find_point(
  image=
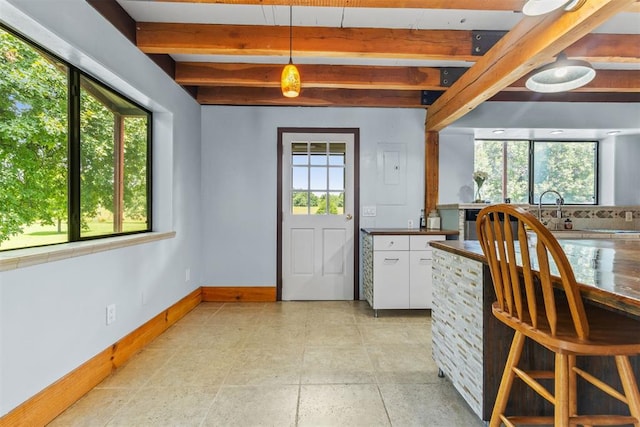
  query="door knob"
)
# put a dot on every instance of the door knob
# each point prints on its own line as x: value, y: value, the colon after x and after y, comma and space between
x: 349, y: 217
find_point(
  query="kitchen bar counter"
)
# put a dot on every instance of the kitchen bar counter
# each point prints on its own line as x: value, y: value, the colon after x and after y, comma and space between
x: 607, y: 271
x: 470, y: 345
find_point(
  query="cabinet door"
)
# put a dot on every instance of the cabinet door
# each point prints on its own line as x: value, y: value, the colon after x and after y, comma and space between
x: 390, y: 279
x: 420, y: 279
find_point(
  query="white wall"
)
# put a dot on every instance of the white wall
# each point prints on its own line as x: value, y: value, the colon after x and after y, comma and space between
x: 456, y: 168
x: 52, y: 315
x: 239, y: 172
x: 606, y: 160
x: 627, y: 170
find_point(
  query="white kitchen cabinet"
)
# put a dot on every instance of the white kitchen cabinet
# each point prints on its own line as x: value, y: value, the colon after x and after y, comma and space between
x: 397, y: 270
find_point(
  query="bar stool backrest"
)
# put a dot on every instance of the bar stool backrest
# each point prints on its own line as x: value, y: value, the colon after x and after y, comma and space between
x: 528, y: 258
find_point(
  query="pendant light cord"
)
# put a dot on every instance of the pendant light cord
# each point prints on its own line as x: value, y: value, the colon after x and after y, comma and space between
x: 290, y: 33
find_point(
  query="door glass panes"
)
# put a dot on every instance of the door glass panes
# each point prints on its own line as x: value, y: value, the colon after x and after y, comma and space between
x: 33, y: 146
x: 113, y: 159
x: 300, y: 178
x: 318, y: 177
x: 337, y: 154
x: 318, y: 182
x: 318, y: 153
x: 299, y: 153
x: 336, y: 179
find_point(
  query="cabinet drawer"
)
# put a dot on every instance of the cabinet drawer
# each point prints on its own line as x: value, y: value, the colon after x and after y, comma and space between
x: 390, y: 243
x: 421, y: 243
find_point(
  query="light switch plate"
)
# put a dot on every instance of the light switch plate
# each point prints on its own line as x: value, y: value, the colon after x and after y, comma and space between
x: 368, y: 211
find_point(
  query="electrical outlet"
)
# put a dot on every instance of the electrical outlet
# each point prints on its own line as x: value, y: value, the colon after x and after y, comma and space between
x: 187, y: 274
x: 410, y: 223
x: 628, y: 216
x: 111, y: 313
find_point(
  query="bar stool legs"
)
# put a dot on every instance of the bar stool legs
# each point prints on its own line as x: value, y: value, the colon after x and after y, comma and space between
x: 630, y: 386
x: 497, y: 415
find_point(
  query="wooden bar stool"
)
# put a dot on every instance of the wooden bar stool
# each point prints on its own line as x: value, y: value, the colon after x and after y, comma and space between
x: 526, y: 302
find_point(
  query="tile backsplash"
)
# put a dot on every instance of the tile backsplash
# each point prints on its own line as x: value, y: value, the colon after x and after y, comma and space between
x: 582, y: 217
x: 592, y: 217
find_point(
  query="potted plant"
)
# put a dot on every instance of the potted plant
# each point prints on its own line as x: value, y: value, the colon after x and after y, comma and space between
x: 479, y: 177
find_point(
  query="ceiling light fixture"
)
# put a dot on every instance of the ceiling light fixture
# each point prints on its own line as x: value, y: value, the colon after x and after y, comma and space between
x: 290, y: 79
x: 542, y: 7
x: 556, y: 132
x: 498, y: 131
x: 613, y: 132
x: 561, y: 76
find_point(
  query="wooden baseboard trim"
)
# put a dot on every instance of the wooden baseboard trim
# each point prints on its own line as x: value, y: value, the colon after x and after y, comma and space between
x: 238, y: 294
x: 54, y: 399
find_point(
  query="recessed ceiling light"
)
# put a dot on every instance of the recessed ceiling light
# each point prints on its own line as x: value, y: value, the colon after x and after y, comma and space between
x: 613, y: 132
x: 556, y: 132
x: 498, y: 131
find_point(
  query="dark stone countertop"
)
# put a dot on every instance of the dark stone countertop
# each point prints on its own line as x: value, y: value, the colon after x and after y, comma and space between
x: 409, y: 231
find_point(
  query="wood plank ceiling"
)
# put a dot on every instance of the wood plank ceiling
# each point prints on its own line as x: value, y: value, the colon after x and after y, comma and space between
x: 328, y: 56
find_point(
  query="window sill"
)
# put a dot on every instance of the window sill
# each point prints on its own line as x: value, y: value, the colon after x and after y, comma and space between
x: 20, y: 258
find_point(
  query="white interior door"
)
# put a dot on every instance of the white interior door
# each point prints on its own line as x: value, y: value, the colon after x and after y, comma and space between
x: 318, y: 208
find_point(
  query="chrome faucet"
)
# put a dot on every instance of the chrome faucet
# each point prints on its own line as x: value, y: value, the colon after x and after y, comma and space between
x: 559, y: 203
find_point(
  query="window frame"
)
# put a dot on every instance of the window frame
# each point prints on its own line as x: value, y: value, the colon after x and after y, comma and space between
x: 74, y: 75
x: 531, y: 162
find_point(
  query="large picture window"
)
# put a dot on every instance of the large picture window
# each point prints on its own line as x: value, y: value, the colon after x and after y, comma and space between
x: 522, y: 170
x: 74, y: 154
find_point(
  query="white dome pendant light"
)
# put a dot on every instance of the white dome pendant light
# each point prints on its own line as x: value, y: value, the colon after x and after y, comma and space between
x: 542, y: 7
x: 561, y: 76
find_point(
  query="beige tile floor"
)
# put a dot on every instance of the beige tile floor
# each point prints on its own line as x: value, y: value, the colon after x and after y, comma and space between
x: 280, y: 364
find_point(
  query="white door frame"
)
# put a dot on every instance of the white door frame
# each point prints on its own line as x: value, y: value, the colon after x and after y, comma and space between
x: 356, y: 202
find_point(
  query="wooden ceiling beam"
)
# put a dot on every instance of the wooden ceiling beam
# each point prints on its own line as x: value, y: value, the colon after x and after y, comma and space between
x: 313, y: 76
x: 307, y: 41
x: 363, y: 77
x: 450, y: 45
x: 598, y: 47
x: 314, y: 97
x: 321, y: 97
x: 528, y: 45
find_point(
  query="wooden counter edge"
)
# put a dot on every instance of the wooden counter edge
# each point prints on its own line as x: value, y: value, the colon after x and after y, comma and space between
x: 409, y: 231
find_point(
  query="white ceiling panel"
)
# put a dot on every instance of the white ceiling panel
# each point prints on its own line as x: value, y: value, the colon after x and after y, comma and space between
x: 354, y: 17
x: 146, y: 11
